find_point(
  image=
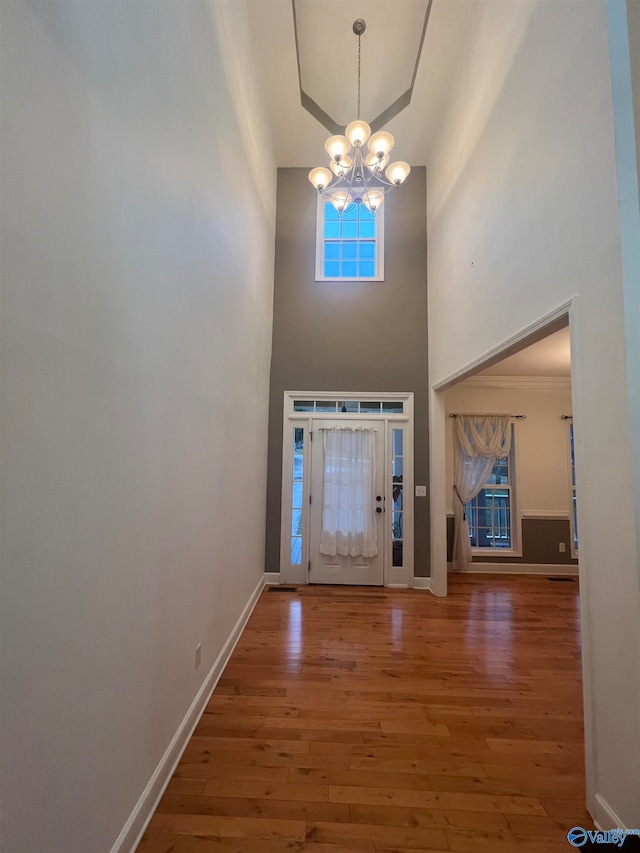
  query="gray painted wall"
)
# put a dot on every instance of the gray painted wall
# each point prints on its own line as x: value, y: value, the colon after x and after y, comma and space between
x: 367, y: 336
x: 633, y: 18
x: 540, y: 537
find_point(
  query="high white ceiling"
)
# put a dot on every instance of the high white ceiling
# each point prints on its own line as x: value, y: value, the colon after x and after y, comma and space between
x: 549, y: 357
x: 329, y: 67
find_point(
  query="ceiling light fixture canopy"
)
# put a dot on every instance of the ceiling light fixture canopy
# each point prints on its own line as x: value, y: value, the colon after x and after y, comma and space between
x: 361, y: 176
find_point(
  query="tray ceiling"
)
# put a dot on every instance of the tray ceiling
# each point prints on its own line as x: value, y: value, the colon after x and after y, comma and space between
x: 329, y: 64
x: 387, y: 73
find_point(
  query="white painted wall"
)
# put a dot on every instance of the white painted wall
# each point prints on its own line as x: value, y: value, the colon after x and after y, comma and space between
x: 543, y: 473
x: 522, y: 216
x: 137, y: 263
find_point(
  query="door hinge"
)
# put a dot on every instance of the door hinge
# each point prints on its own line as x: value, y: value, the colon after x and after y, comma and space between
x: 310, y: 435
x: 309, y: 498
x: 309, y: 565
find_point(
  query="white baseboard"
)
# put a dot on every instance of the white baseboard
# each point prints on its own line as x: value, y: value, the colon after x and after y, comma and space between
x: 294, y: 575
x: 134, y: 828
x: 518, y: 569
x: 605, y: 817
x: 272, y: 578
x: 422, y: 583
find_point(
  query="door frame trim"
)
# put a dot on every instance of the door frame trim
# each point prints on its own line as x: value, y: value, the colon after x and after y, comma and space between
x: 299, y: 574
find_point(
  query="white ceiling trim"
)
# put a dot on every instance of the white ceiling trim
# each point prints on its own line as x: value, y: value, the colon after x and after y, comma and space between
x: 532, y: 383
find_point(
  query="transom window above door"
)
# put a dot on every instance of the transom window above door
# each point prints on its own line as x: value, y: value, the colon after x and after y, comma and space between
x: 350, y: 407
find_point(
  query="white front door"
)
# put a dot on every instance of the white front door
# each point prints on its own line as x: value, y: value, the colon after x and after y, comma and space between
x: 338, y: 569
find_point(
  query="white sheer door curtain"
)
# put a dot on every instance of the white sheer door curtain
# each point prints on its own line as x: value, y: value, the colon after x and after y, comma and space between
x: 479, y: 441
x: 348, y: 503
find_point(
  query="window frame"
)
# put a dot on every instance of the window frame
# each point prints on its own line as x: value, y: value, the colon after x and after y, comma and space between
x: 514, y: 517
x: 294, y: 572
x: 396, y: 509
x: 320, y: 242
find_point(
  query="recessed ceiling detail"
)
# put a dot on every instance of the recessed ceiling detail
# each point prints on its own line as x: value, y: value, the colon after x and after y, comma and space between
x: 327, y: 53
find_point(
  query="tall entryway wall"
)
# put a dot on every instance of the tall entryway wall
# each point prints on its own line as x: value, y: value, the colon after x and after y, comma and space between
x: 356, y: 336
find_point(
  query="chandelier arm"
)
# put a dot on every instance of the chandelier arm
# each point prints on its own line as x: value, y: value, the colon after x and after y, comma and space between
x: 345, y: 181
x: 375, y: 179
x: 369, y: 180
x: 384, y: 181
x: 375, y: 188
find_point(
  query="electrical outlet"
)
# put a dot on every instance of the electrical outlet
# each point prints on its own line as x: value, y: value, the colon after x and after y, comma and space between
x: 198, y: 654
x: 562, y: 547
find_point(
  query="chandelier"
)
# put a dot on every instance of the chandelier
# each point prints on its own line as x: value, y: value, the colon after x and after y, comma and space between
x: 356, y: 175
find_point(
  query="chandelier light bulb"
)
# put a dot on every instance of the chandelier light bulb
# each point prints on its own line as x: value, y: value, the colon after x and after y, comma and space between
x: 339, y: 200
x: 397, y: 172
x: 320, y: 177
x: 373, y: 200
x: 337, y: 147
x: 381, y: 143
x: 374, y: 162
x: 341, y: 167
x: 357, y: 133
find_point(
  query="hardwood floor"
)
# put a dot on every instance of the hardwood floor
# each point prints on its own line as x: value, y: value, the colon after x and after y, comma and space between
x: 374, y: 720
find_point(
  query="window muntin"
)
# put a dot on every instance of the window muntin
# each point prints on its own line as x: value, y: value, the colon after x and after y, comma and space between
x: 490, y: 514
x: 349, y: 248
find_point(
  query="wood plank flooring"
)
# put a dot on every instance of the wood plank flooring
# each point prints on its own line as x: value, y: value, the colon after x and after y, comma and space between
x: 373, y: 720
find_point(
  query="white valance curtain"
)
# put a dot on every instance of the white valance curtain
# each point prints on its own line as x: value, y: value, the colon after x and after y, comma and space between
x: 479, y: 441
x: 348, y: 503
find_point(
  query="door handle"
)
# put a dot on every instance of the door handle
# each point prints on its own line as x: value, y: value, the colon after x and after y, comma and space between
x: 378, y: 509
x: 378, y: 497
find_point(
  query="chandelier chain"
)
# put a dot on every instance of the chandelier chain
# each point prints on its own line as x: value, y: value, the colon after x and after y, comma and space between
x: 359, y: 37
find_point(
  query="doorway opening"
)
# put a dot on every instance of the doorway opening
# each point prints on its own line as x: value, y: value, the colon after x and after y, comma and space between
x: 565, y: 546
x: 521, y: 512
